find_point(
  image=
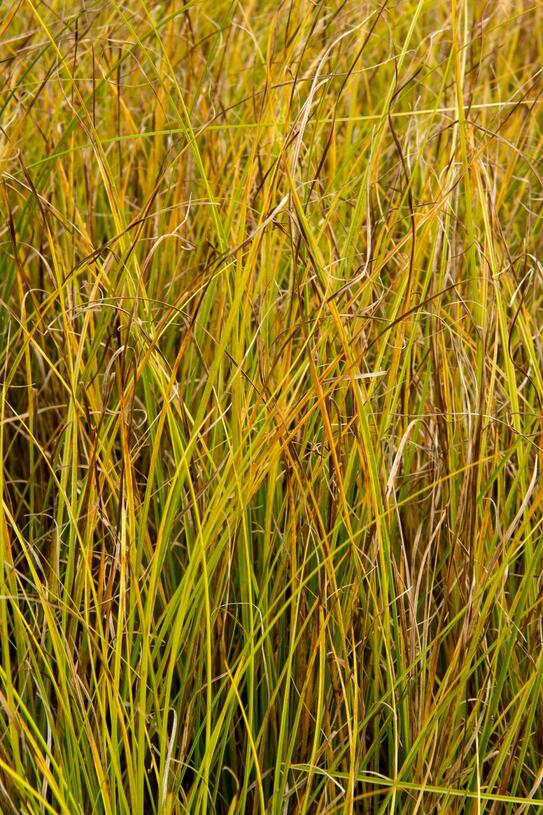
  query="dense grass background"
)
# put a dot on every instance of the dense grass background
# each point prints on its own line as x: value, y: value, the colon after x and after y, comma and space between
x: 271, y: 407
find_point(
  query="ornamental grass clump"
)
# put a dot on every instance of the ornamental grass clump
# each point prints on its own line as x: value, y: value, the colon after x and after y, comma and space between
x: 271, y: 517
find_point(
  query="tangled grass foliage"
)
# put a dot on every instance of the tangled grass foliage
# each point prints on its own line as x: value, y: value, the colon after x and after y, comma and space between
x: 271, y: 383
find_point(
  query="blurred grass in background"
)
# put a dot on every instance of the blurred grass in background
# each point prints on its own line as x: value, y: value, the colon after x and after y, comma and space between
x: 270, y: 407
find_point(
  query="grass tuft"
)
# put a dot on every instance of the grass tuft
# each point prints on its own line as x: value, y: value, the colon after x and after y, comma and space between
x: 271, y: 402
